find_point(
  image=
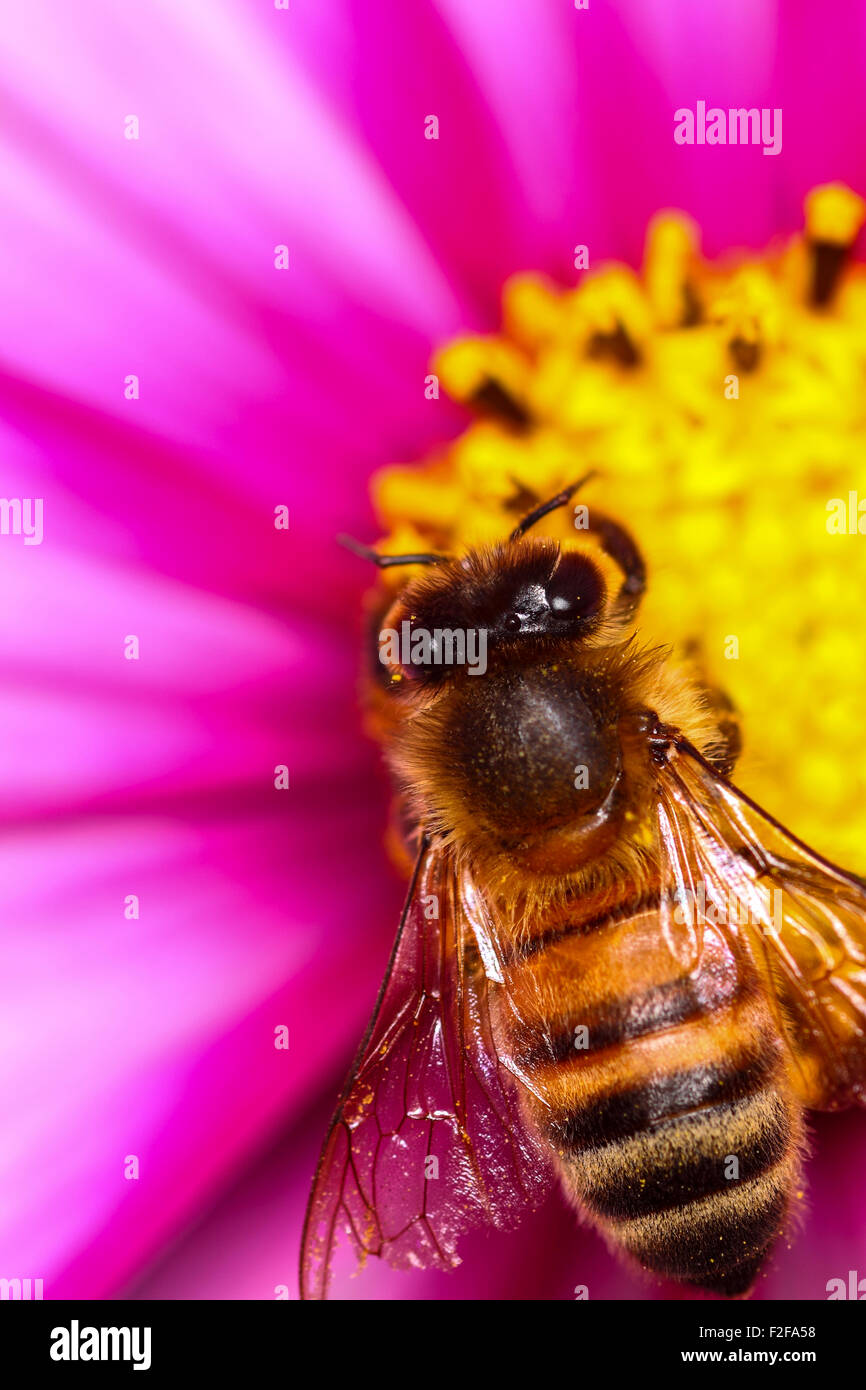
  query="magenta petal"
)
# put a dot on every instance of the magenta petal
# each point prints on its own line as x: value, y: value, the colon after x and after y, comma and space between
x: 819, y: 79
x: 155, y: 1037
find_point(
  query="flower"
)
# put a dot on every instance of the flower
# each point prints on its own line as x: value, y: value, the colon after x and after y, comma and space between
x: 154, y: 1139
x: 699, y: 393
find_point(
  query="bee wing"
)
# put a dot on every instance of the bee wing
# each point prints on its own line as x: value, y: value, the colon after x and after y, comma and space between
x: 427, y: 1140
x: 801, y: 920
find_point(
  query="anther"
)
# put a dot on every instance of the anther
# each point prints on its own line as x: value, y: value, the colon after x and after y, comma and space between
x: 834, y: 216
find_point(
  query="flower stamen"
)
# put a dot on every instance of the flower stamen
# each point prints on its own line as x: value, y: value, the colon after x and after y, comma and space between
x: 722, y: 403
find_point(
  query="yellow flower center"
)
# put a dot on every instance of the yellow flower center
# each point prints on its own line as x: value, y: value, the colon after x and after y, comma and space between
x: 724, y: 407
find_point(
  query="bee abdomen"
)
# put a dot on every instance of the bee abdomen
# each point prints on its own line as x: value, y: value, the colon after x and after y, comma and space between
x: 665, y: 1094
x: 687, y: 1158
x: 698, y: 1194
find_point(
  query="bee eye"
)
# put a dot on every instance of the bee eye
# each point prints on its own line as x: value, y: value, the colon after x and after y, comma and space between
x: 576, y: 589
x: 564, y: 605
x: 512, y: 622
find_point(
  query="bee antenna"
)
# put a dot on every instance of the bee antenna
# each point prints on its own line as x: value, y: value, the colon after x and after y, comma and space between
x: 558, y: 501
x: 367, y: 552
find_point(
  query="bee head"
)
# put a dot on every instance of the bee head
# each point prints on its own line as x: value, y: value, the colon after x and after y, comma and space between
x: 533, y: 750
x: 499, y: 599
x: 500, y: 605
x: 500, y: 753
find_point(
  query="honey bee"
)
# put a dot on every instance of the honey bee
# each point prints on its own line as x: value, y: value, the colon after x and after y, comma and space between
x: 571, y: 993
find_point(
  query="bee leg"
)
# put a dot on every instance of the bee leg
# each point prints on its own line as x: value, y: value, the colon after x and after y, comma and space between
x: 662, y: 739
x: 729, y: 745
x: 616, y: 542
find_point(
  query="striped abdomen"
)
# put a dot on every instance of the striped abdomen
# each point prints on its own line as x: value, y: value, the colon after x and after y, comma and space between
x: 666, y: 1095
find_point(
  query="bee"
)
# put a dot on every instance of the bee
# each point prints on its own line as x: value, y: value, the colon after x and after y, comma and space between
x: 612, y: 967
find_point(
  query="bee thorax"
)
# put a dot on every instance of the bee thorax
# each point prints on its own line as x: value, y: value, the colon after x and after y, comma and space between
x: 530, y: 753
